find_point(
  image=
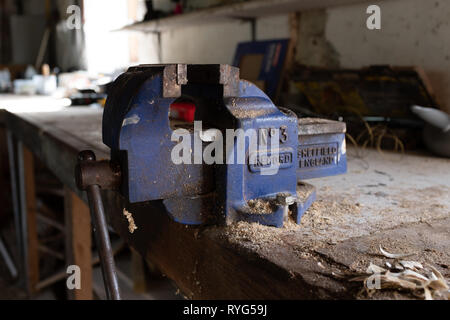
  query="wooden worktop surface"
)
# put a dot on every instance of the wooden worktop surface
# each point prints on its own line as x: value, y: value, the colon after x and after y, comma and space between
x: 401, y: 202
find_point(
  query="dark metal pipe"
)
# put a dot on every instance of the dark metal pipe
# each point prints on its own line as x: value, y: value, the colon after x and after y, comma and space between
x: 91, y: 175
x: 23, y: 212
x: 8, y: 260
x: 103, y: 243
x: 15, y: 200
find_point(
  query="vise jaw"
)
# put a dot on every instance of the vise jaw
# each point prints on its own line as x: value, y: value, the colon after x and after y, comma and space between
x: 137, y: 128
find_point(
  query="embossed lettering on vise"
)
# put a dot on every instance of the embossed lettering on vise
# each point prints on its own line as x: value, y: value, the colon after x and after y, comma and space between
x: 318, y: 155
x: 281, y: 159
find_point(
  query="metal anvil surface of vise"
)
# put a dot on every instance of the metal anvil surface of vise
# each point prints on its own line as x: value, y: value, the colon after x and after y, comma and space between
x: 137, y: 128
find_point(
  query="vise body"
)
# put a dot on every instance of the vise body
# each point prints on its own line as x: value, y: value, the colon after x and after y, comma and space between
x: 265, y: 188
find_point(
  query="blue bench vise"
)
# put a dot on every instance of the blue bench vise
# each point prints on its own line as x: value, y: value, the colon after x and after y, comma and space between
x: 138, y: 129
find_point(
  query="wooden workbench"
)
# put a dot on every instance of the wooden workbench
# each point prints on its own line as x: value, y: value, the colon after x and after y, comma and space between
x: 401, y: 202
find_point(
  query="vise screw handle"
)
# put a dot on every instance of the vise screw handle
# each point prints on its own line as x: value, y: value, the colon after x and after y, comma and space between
x: 90, y: 176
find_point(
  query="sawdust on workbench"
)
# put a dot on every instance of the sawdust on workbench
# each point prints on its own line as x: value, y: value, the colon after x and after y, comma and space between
x: 323, y: 213
x: 259, y: 206
x: 316, y: 230
x: 255, y: 233
x: 319, y: 215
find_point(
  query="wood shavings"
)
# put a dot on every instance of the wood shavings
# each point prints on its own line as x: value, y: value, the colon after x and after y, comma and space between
x: 413, y: 265
x: 411, y: 275
x: 131, y: 225
x: 338, y: 275
x: 393, y: 281
x: 425, y: 282
x: 261, y: 238
x: 436, y: 272
x: 373, y: 268
x: 394, y: 255
x: 398, y: 266
x: 437, y: 285
x: 252, y: 234
x: 428, y: 295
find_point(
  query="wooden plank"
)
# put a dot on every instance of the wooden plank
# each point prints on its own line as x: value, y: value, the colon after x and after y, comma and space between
x: 138, y: 272
x: 78, y: 242
x: 55, y: 138
x: 32, y: 252
x: 201, y: 264
x: 256, y: 262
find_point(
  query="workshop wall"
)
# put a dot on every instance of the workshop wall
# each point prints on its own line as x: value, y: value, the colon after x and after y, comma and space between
x: 209, y: 44
x: 413, y: 33
x: 217, y: 43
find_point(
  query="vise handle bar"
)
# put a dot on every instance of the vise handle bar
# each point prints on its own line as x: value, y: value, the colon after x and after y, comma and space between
x: 91, y: 175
